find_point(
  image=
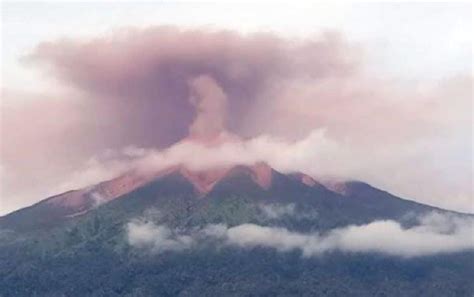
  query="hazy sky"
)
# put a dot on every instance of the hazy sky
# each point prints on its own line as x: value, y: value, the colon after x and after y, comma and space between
x: 412, y: 78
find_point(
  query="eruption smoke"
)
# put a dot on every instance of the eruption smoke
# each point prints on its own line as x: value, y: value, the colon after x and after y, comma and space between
x: 210, y: 103
x: 150, y: 88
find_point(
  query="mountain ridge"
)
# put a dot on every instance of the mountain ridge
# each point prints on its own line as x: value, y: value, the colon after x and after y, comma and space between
x: 75, y: 203
x: 46, y: 252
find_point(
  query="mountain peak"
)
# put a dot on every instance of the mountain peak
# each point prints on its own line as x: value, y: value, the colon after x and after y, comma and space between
x: 305, y: 179
x: 205, y: 180
x: 347, y: 188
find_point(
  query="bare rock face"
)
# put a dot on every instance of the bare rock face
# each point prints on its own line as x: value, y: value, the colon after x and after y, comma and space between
x: 305, y: 179
x: 339, y: 187
x: 78, y: 202
x: 204, y: 180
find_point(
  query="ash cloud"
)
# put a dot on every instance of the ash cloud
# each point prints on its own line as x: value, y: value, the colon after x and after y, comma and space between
x: 149, y: 75
x: 435, y: 234
x: 150, y: 88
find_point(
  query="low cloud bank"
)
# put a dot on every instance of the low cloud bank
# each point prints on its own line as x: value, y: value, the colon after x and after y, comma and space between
x: 435, y: 234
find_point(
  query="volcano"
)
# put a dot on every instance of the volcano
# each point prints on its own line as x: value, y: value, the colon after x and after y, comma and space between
x: 78, y: 243
x: 204, y: 184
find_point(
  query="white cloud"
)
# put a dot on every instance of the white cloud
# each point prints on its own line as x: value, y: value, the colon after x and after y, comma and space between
x: 435, y: 234
x: 275, y: 211
x: 389, y: 237
x: 317, y: 155
x: 156, y: 237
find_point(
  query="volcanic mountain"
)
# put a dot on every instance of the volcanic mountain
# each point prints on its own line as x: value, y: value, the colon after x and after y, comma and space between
x: 75, y: 203
x: 204, y: 184
x: 78, y: 243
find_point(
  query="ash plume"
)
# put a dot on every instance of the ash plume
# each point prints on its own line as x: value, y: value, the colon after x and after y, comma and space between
x: 210, y: 103
x: 152, y: 87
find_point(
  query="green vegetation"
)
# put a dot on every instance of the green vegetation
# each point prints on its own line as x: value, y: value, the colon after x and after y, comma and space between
x: 90, y: 256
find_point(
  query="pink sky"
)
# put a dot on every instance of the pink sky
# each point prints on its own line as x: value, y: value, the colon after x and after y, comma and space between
x: 312, y: 101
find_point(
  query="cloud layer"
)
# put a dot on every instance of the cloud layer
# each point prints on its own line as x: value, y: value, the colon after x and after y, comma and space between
x: 435, y: 234
x: 316, y: 154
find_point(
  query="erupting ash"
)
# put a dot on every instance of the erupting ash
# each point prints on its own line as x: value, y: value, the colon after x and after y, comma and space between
x: 207, y: 134
x: 299, y: 104
x: 210, y: 103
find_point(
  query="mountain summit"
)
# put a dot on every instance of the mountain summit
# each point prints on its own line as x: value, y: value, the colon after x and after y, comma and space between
x: 270, y: 184
x: 76, y: 203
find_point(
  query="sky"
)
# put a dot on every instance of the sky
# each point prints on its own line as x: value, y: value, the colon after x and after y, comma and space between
x: 380, y: 92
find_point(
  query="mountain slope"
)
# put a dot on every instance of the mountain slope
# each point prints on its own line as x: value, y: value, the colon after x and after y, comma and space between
x: 358, y: 203
x: 46, y: 251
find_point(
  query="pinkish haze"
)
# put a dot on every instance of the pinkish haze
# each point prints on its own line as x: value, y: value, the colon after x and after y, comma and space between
x: 303, y: 104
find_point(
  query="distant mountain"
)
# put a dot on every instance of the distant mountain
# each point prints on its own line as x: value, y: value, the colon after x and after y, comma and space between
x: 77, y: 243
